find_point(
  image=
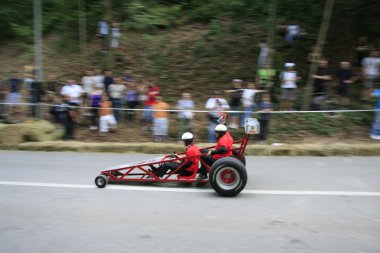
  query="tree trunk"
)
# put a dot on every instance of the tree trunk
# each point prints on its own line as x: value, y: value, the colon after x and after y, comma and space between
x: 318, y: 50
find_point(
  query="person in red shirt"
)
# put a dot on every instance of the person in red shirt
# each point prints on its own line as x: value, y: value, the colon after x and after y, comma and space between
x: 189, y: 165
x: 222, y: 149
x: 152, y: 93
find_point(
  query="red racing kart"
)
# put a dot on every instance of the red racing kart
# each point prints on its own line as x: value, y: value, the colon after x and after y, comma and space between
x: 227, y: 175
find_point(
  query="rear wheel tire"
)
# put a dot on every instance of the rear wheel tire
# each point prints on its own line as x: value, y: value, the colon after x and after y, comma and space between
x: 228, y: 176
x: 101, y: 181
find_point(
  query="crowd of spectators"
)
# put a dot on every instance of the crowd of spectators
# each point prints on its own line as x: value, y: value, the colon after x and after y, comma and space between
x: 106, y: 100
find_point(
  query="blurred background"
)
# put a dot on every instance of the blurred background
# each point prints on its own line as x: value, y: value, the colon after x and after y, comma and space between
x: 64, y: 63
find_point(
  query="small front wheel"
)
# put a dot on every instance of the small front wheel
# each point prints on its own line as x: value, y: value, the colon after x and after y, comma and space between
x: 101, y: 181
x: 228, y: 176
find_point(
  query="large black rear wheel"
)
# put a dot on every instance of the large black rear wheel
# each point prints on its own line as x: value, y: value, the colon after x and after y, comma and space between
x: 228, y: 176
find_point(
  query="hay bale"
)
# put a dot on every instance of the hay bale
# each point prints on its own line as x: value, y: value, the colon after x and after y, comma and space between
x: 33, y: 131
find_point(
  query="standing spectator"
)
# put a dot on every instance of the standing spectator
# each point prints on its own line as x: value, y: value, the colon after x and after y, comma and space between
x: 73, y: 92
x: 266, y: 77
x: 289, y: 78
x: 28, y: 79
x: 371, y: 73
x: 51, y: 88
x: 115, y: 35
x: 235, y: 100
x: 265, y: 107
x: 36, y: 94
x: 58, y: 111
x: 107, y: 121
x: 103, y: 32
x: 88, y: 82
x: 160, y: 121
x: 362, y: 50
x: 108, y: 80
x: 132, y: 100
x: 292, y: 32
x: 264, y: 55
x: 95, y: 100
x: 346, y: 78
x: 71, y: 118
x: 14, y: 95
x: 375, y: 132
x: 248, y: 100
x: 186, y: 115
x: 321, y: 79
x: 98, y: 78
x: 151, y: 94
x: 216, y: 105
x: 116, y: 91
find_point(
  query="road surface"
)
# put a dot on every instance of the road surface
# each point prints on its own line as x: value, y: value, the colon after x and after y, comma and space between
x: 49, y: 203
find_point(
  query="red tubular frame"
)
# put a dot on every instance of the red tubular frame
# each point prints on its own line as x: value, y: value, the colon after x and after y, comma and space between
x: 140, y: 172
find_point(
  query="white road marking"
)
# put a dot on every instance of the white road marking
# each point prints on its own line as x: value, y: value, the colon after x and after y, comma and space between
x: 179, y: 189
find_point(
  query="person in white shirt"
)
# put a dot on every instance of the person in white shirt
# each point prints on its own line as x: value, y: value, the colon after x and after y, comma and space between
x: 116, y: 91
x: 115, y: 35
x: 292, y: 32
x: 289, y: 78
x: 186, y: 115
x: 371, y: 74
x: 216, y: 105
x: 73, y: 92
x: 248, y: 101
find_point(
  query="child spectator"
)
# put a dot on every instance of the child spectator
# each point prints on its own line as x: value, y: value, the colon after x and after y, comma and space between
x: 95, y: 100
x: 107, y: 121
x: 264, y: 107
x: 58, y: 110
x: 160, y: 121
x: 132, y: 100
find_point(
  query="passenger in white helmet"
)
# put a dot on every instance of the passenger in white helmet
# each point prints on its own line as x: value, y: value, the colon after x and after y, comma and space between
x: 189, y: 165
x: 222, y: 149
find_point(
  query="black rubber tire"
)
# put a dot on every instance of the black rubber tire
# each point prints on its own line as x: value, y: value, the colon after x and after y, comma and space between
x: 225, y: 169
x: 101, y: 181
x: 235, y: 153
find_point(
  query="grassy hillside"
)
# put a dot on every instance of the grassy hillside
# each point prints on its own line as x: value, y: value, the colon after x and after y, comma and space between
x: 196, y: 58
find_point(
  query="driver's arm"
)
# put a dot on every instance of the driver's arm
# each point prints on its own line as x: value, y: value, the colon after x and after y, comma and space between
x: 220, y: 150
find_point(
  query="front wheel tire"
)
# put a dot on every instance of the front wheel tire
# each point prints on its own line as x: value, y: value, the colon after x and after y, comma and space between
x: 228, y: 176
x: 101, y: 181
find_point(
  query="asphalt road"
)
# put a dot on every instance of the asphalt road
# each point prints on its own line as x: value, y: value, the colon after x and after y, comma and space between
x: 48, y: 203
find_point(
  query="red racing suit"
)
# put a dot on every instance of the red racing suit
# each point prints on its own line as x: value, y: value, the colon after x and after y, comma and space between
x: 226, y: 141
x: 191, y: 163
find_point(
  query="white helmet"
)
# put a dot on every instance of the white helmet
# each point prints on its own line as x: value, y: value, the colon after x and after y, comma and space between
x: 187, y: 136
x: 221, y: 128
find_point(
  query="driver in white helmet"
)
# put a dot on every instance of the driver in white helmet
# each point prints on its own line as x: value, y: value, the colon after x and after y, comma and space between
x: 222, y: 149
x: 189, y: 165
